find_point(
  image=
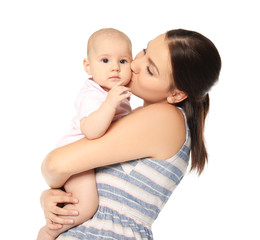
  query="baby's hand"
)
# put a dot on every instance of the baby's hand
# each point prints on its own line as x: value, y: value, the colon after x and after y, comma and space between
x: 117, y: 94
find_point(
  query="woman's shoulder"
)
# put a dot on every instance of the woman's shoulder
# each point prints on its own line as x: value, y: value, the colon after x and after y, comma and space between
x: 161, y: 112
x: 164, y: 126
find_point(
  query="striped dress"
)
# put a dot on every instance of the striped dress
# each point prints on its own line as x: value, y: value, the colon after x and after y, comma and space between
x: 131, y: 196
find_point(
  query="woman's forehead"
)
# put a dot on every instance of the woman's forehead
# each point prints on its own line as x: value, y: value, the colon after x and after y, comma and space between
x: 158, y: 52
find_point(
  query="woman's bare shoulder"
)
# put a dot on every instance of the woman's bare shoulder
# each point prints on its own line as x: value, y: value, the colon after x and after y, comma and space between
x: 160, y: 111
x: 161, y: 126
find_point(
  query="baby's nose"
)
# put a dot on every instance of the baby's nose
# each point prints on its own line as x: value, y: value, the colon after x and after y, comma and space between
x: 116, y: 67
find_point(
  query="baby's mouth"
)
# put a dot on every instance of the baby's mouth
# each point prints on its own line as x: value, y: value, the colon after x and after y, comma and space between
x: 114, y: 77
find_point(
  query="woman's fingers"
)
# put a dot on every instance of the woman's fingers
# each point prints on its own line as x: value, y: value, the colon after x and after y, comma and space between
x: 54, y: 196
x: 56, y: 221
x: 59, y: 196
x: 53, y: 226
x: 64, y: 199
x: 62, y: 211
x: 56, y: 216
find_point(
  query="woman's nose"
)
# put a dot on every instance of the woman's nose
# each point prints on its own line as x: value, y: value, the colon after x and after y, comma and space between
x: 135, y: 63
x: 133, y: 66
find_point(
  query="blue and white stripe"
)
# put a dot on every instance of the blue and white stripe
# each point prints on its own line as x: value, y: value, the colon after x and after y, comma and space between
x: 131, y: 196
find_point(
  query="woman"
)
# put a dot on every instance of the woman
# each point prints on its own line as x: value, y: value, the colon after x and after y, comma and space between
x: 173, y: 77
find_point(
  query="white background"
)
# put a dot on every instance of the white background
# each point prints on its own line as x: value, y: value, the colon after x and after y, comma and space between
x: 42, y: 46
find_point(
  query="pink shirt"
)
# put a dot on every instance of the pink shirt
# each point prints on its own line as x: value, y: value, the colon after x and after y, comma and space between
x: 89, y: 100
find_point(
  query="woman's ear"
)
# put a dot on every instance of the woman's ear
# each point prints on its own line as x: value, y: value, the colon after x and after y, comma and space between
x: 86, y: 66
x: 176, y: 96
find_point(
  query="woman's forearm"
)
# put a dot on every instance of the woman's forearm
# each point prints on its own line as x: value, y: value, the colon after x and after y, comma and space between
x: 82, y: 155
x: 127, y: 139
x: 61, y: 163
x: 52, y: 173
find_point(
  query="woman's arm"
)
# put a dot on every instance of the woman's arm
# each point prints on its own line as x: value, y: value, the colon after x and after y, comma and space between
x: 156, y: 131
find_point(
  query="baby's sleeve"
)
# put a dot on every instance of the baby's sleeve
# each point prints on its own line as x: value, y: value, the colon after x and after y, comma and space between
x: 88, y: 101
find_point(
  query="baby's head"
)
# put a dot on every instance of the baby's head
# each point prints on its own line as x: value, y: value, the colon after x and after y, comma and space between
x: 109, y: 55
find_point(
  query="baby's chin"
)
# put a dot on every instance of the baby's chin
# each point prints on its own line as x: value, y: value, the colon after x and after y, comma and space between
x: 129, y: 83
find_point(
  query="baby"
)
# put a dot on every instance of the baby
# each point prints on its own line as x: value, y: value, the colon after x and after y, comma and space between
x: 102, y: 100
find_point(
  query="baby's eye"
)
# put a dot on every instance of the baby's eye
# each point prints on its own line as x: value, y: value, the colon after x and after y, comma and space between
x: 123, y: 61
x: 144, y: 50
x: 104, y: 60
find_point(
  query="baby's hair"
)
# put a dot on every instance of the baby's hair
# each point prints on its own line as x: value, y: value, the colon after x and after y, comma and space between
x: 107, y: 32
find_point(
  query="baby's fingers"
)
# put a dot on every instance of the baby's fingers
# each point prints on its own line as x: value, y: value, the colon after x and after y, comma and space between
x: 125, y: 95
x: 118, y: 84
x: 122, y: 90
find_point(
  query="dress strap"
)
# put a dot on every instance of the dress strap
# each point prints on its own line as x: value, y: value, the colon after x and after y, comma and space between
x: 188, y: 134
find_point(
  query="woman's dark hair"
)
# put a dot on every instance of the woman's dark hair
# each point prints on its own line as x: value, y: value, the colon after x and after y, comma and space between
x: 196, y: 65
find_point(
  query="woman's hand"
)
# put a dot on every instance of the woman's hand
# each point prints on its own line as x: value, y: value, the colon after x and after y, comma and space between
x: 57, y: 216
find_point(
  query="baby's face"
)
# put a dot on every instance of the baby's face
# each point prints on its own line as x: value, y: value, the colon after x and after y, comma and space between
x: 109, y: 61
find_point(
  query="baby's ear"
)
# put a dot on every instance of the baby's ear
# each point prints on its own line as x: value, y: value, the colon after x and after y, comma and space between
x: 86, y: 66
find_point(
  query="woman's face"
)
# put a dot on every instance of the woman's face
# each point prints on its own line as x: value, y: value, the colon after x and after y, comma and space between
x: 152, y: 73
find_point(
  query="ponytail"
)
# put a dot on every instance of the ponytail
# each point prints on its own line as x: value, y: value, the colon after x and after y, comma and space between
x: 196, y: 65
x: 196, y: 112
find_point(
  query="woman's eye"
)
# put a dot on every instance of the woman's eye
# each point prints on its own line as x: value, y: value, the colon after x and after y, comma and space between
x: 147, y: 68
x: 104, y: 60
x: 149, y: 71
x: 123, y: 61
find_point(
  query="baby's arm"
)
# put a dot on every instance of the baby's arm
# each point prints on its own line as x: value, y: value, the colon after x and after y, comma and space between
x: 96, y: 124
